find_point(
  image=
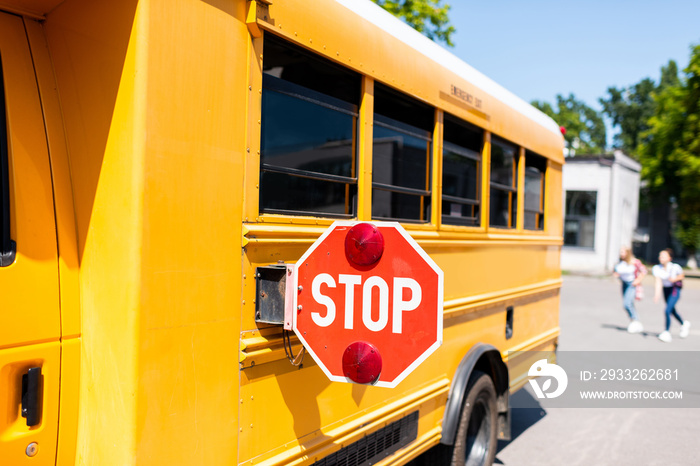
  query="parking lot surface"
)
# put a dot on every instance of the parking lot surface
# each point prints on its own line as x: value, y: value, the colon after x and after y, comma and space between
x: 592, y: 319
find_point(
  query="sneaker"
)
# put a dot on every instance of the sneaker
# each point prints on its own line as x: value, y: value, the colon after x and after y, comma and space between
x: 685, y: 329
x: 635, y: 327
x: 665, y: 337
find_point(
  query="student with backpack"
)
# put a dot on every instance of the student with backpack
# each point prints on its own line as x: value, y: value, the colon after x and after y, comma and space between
x: 630, y: 271
x: 669, y: 279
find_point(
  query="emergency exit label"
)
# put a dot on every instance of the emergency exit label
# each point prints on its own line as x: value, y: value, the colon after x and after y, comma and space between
x: 368, y: 303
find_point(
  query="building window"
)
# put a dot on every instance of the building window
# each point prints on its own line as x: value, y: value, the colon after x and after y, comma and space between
x: 461, y: 172
x: 535, y: 169
x: 401, y: 157
x: 504, y: 192
x: 308, y: 133
x: 579, y: 223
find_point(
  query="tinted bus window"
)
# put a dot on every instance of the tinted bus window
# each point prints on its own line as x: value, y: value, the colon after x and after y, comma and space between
x: 504, y: 196
x: 461, y: 169
x: 401, y: 157
x: 535, y: 168
x: 308, y: 134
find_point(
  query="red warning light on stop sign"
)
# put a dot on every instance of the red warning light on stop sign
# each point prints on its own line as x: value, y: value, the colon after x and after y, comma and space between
x: 369, y: 303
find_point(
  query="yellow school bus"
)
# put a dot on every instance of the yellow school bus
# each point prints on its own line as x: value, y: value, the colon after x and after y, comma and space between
x: 162, y: 159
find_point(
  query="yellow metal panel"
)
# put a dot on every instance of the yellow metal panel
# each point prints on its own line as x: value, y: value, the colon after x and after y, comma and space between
x: 520, y: 217
x: 366, y: 135
x: 472, y: 270
x: 15, y: 436
x: 254, y: 57
x: 88, y: 43
x: 156, y: 135
x: 29, y: 286
x: 553, y: 200
x: 189, y: 309
x: 485, y: 181
x: 68, y: 265
x: 69, y: 402
x: 436, y: 170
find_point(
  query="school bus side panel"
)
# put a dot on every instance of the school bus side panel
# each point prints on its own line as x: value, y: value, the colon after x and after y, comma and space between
x: 150, y: 94
x: 68, y: 264
x: 31, y: 324
x: 94, y: 52
x: 554, y: 208
x: 483, y: 266
x: 187, y: 407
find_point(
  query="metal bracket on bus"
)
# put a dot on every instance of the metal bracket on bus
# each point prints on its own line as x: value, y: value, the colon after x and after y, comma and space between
x: 274, y: 303
x: 290, y: 293
x: 274, y: 294
x: 257, y: 9
x: 274, y: 291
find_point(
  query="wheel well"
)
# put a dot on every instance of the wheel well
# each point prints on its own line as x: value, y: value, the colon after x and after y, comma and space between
x: 490, y: 363
x: 487, y: 359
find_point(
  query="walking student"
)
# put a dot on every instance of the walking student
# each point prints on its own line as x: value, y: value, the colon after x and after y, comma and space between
x: 669, y: 279
x: 630, y: 271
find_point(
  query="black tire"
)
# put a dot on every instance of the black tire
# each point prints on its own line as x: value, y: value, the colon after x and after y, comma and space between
x: 476, y: 442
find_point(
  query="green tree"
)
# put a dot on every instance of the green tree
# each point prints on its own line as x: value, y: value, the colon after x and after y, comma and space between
x: 585, y: 129
x: 631, y: 108
x: 670, y: 153
x: 428, y: 17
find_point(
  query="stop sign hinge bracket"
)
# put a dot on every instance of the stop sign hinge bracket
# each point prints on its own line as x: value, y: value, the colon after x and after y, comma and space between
x: 288, y: 350
x: 274, y: 294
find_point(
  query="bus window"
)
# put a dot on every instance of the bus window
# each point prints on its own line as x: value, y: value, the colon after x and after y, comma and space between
x: 400, y: 157
x: 504, y: 195
x: 461, y: 168
x: 535, y: 168
x: 308, y: 133
x: 6, y: 244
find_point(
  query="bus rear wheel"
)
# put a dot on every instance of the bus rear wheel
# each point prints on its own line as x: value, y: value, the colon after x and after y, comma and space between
x: 475, y: 443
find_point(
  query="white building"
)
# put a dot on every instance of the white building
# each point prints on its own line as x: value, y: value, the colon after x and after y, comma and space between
x: 601, y: 203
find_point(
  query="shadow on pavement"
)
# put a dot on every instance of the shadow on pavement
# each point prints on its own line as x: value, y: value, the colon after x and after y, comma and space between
x: 624, y: 329
x: 528, y: 413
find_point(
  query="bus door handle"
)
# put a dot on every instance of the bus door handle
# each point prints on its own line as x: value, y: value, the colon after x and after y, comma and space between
x: 31, y: 389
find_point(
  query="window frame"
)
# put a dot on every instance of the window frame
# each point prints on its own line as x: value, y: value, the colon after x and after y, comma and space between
x: 540, y: 213
x: 477, y: 156
x: 273, y: 84
x: 511, y: 190
x: 409, y: 130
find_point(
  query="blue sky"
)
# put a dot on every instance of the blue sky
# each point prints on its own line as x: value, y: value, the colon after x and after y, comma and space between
x: 539, y: 48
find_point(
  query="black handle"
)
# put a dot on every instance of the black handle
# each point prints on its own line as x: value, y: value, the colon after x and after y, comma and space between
x: 30, y: 396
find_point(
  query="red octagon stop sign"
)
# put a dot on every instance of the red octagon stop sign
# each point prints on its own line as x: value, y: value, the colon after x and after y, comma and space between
x: 369, y: 303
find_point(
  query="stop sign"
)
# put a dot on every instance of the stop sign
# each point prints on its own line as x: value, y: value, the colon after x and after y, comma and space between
x: 369, y: 301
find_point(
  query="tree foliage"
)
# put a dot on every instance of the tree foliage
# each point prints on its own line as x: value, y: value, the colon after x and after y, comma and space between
x: 585, y: 129
x: 631, y: 108
x: 428, y: 17
x: 670, y: 151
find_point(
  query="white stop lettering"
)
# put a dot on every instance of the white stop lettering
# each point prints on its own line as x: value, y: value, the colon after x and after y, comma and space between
x: 399, y: 305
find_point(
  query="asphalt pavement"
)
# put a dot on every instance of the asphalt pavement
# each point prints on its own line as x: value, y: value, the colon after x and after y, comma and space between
x: 592, y: 319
